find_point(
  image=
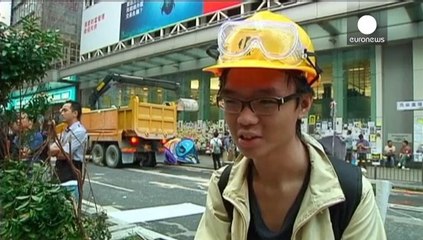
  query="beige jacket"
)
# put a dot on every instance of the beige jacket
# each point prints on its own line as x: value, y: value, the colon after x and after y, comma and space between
x: 313, y: 219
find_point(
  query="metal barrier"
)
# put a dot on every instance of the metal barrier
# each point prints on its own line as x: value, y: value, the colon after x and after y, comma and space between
x: 378, y: 171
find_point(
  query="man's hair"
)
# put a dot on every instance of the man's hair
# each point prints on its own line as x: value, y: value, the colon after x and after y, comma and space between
x: 294, y: 77
x: 389, y: 141
x: 349, y: 132
x: 360, y: 136
x: 406, y: 142
x: 215, y: 134
x: 75, y: 106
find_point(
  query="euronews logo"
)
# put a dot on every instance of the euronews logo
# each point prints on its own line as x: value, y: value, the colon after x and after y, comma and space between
x: 367, y: 29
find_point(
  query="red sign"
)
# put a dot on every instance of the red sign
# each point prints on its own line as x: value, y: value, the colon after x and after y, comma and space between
x: 212, y: 6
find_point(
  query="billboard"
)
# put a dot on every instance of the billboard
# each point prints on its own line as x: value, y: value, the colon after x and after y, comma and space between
x: 100, y: 25
x: 108, y: 22
x: 140, y: 16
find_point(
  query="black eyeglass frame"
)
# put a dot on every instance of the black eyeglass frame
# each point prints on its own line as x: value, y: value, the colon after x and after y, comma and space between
x: 279, y: 100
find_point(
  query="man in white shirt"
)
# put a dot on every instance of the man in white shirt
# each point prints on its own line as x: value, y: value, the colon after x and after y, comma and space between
x: 390, y: 154
x: 73, y: 143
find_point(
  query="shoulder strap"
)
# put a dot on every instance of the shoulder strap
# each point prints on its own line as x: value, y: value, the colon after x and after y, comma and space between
x: 223, y: 181
x: 350, y: 178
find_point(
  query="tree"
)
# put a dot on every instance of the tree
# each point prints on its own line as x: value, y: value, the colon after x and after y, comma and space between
x: 32, y: 206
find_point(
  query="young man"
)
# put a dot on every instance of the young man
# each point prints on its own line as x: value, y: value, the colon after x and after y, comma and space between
x: 405, y: 154
x: 284, y: 186
x: 390, y: 152
x: 348, y: 146
x: 73, y: 143
x: 28, y: 140
x: 363, y: 147
x: 216, y: 150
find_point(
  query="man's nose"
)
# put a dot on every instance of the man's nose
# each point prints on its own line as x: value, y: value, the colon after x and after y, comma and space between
x: 247, y: 116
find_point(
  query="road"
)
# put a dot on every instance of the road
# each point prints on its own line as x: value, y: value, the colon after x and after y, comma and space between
x: 170, y: 199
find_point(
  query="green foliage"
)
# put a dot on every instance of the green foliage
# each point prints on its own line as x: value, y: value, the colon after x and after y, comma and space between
x: 32, y: 207
x: 26, y: 55
x: 37, y: 105
x: 96, y: 226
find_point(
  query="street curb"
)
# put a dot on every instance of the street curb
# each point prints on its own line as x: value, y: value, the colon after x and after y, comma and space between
x: 407, y: 187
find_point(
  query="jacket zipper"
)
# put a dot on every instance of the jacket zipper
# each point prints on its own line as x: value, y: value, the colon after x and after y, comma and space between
x: 326, y: 206
x: 243, y: 218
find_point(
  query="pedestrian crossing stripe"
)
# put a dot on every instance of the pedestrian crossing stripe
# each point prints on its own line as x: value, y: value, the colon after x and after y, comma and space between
x: 157, y: 213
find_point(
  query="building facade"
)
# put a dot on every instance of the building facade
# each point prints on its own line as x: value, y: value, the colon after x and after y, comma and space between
x: 64, y: 16
x: 366, y: 80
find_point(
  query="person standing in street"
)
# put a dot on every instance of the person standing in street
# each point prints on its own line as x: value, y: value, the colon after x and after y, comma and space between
x: 348, y: 146
x: 69, y: 161
x: 285, y: 186
x: 216, y: 150
x: 363, y: 148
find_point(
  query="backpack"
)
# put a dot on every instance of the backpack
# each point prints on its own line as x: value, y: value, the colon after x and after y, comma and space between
x: 350, y: 178
x: 216, y: 146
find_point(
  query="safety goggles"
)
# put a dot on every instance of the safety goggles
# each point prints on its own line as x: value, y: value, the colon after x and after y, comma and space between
x: 276, y: 41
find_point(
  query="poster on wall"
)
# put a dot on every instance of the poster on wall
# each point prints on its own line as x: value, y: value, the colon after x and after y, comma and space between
x: 418, y: 138
x: 141, y: 16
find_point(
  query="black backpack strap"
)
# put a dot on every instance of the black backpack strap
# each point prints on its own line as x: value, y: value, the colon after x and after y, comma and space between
x: 350, y: 178
x: 223, y: 181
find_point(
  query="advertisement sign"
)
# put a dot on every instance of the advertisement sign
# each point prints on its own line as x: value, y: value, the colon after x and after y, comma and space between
x: 108, y: 22
x: 140, y: 16
x: 100, y: 25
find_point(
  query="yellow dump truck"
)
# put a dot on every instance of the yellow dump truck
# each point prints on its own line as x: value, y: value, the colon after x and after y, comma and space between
x: 133, y: 133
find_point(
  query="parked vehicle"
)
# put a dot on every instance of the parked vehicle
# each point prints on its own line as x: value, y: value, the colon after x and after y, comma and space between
x: 133, y: 133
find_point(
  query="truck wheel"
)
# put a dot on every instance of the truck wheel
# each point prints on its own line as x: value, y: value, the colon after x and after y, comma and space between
x: 149, y: 159
x: 97, y: 153
x: 113, y: 156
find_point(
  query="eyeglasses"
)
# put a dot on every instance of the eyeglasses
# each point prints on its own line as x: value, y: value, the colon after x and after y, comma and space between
x: 260, y: 106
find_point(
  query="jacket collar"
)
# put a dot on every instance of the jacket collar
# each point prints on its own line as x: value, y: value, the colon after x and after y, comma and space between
x: 323, y: 190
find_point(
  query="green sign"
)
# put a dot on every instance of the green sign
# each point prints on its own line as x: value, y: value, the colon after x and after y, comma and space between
x: 55, y: 96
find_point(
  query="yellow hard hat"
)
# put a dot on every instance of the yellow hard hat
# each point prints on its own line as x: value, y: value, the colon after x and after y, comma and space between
x: 266, y: 40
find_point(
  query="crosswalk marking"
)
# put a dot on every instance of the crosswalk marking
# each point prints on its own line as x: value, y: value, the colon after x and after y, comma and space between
x: 157, y: 213
x: 175, y: 186
x: 112, y: 186
x: 195, y: 179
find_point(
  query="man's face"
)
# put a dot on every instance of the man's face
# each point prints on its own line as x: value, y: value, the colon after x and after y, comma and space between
x: 23, y: 121
x: 259, y: 136
x: 67, y: 113
x: 390, y: 144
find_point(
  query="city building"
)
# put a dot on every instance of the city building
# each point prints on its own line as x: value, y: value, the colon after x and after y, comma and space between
x: 370, y: 74
x: 64, y: 16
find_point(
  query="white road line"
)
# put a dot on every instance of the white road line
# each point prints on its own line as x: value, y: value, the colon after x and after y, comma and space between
x: 195, y: 179
x: 157, y: 213
x: 173, y: 186
x: 112, y: 186
x: 406, y: 215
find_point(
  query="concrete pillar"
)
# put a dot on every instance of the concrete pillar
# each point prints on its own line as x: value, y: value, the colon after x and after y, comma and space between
x: 339, y: 84
x: 376, y: 69
x: 203, y: 103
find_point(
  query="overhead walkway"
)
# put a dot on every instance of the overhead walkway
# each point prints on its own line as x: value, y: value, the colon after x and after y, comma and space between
x: 181, y: 47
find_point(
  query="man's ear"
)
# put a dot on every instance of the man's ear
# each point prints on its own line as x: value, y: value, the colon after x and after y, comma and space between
x: 305, y: 104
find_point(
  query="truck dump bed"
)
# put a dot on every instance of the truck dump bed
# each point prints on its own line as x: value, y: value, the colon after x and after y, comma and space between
x: 146, y: 120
